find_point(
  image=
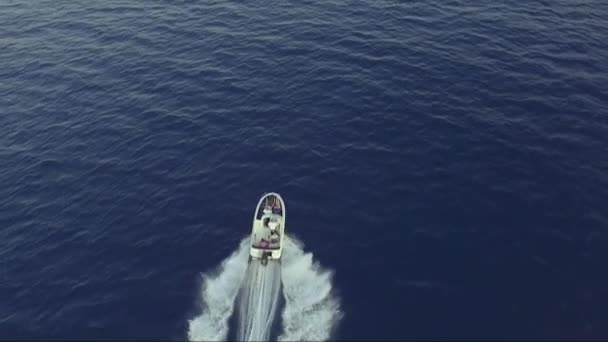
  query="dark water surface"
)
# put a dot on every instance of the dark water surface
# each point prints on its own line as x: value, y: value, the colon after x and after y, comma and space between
x: 448, y: 160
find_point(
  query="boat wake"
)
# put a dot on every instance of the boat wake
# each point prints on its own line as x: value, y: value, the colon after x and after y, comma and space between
x: 258, y: 301
x: 311, y: 310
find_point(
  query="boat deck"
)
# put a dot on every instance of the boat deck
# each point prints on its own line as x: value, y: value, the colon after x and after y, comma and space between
x: 264, y: 239
x: 272, y: 203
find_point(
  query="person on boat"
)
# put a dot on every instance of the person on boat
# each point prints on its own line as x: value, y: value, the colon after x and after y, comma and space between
x: 267, y: 207
x: 273, y: 225
x: 263, y: 243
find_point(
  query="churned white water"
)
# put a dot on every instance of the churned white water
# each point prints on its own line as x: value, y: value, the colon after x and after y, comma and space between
x: 258, y: 301
x: 311, y: 308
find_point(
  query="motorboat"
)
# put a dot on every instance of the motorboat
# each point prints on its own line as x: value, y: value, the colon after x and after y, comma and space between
x: 268, y: 228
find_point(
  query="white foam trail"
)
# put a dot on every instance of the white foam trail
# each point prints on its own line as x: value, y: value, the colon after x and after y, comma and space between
x: 219, y: 289
x: 258, y: 301
x: 311, y: 308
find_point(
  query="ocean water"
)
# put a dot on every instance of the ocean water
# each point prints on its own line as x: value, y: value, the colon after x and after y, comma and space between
x: 444, y: 165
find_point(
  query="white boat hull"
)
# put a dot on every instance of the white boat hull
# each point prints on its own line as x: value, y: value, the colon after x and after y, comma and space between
x: 268, y: 230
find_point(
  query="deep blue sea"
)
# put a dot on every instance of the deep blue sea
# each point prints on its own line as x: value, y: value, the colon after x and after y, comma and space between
x: 444, y: 164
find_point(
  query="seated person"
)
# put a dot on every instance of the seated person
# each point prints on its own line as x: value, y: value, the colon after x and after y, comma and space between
x: 263, y: 243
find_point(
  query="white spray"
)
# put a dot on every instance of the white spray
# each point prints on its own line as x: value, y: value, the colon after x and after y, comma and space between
x: 311, y: 309
x: 219, y: 289
x: 258, y: 300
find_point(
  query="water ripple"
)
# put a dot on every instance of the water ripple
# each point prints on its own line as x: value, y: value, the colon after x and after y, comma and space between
x: 460, y: 146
